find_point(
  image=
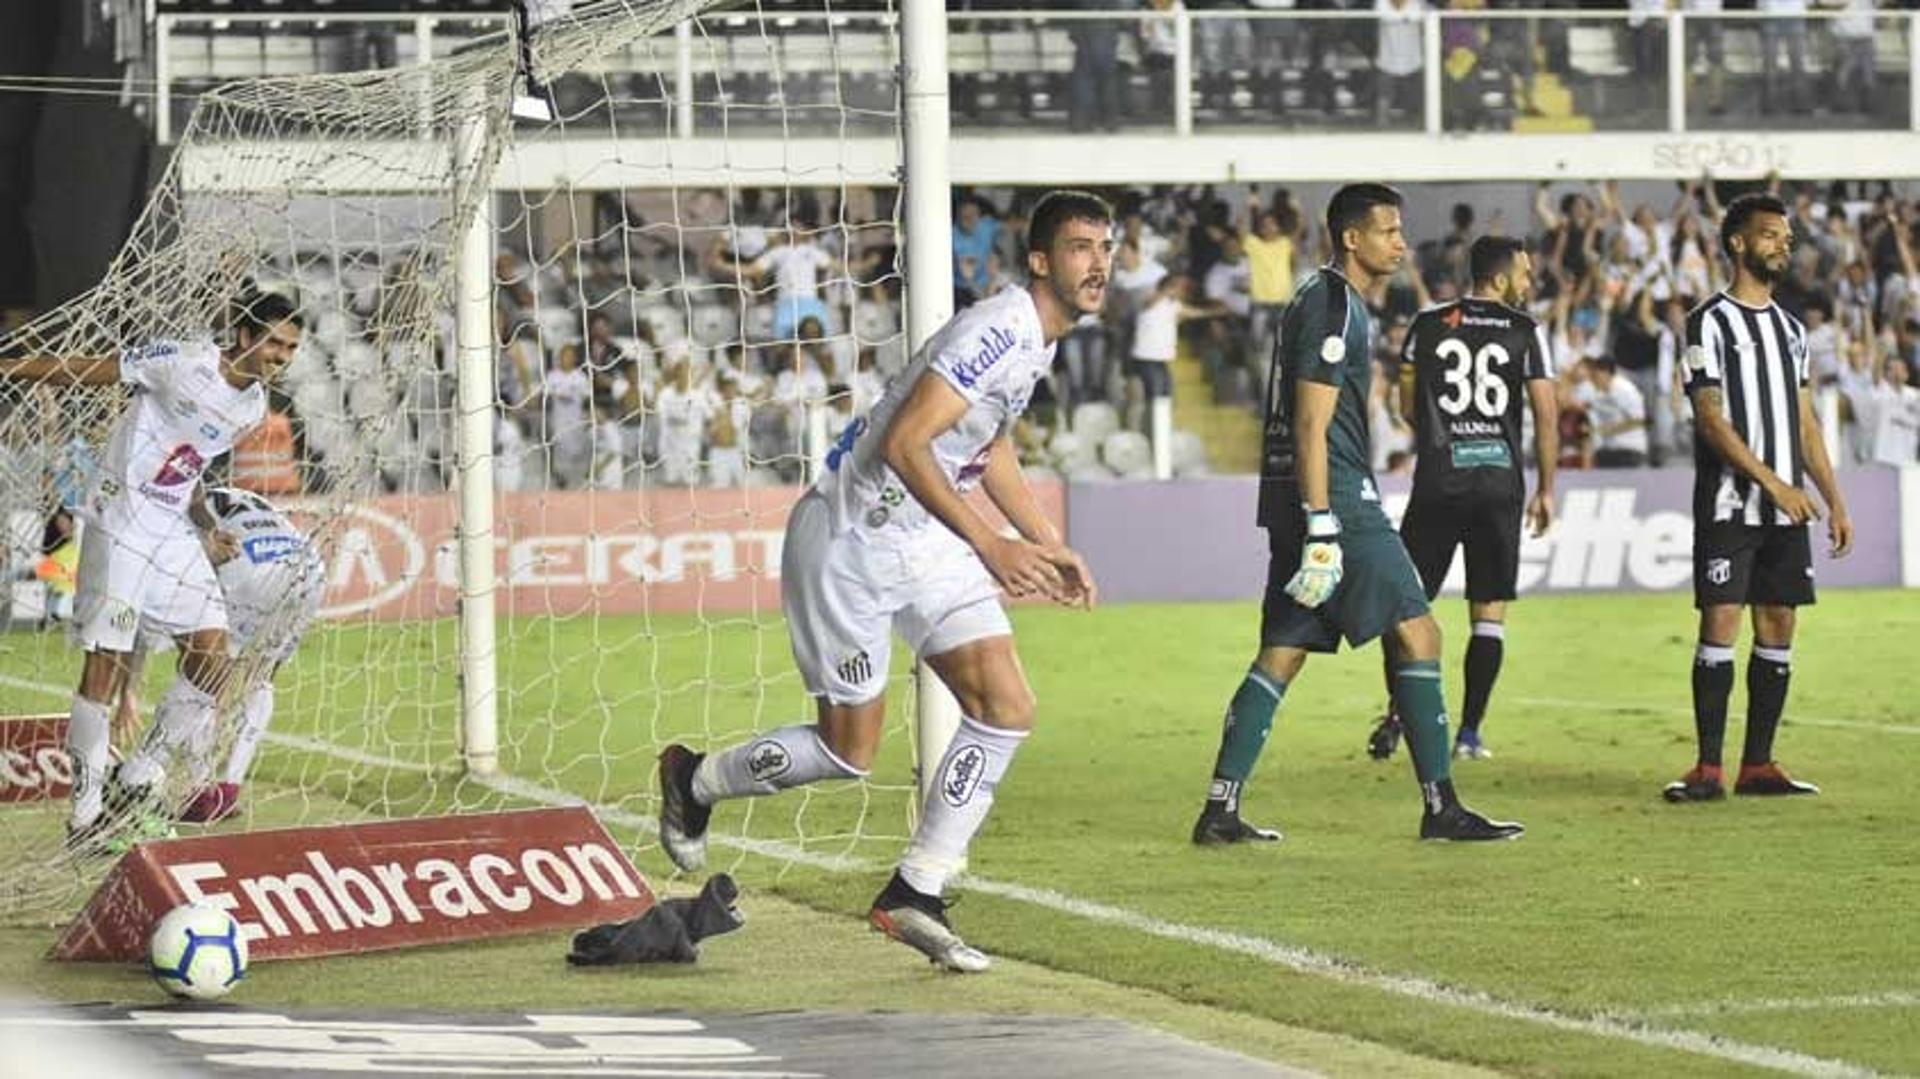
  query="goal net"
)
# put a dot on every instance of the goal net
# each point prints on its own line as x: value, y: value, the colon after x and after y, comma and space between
x: 693, y: 281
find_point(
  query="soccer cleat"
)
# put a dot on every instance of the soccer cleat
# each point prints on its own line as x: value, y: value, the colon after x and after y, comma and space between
x: 131, y: 816
x: 212, y: 803
x: 1458, y: 824
x: 920, y: 922
x: 683, y: 821
x: 1468, y: 746
x: 1385, y: 738
x: 1702, y: 783
x: 1769, y: 779
x: 1218, y: 829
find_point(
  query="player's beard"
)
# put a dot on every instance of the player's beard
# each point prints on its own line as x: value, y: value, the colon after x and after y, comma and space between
x: 1761, y: 270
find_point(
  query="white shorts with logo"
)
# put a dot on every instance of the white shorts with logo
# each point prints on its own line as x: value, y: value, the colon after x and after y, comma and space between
x: 843, y: 595
x: 160, y: 585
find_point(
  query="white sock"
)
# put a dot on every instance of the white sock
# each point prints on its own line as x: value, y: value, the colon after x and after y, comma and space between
x: 789, y: 757
x: 976, y: 761
x: 183, y: 722
x: 254, y: 717
x: 87, y: 738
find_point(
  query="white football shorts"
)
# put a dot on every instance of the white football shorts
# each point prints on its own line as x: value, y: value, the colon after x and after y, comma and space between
x: 842, y: 595
x: 157, y: 584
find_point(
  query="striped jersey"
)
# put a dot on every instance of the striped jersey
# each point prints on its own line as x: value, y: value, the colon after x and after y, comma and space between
x: 1757, y: 358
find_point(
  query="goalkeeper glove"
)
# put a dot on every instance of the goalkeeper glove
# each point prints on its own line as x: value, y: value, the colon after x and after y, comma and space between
x: 1320, y: 562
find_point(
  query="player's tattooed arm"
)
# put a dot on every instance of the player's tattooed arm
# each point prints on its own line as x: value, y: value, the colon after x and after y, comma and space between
x: 1710, y: 418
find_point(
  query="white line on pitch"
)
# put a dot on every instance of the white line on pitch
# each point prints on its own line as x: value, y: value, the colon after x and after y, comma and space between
x: 1300, y: 960
x: 1896, y: 999
x: 1661, y: 708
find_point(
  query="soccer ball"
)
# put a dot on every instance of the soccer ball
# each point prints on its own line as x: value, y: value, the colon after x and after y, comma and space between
x: 197, y: 952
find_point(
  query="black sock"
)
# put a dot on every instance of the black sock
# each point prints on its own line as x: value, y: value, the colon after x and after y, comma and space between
x: 1712, y: 685
x: 1223, y: 797
x: 1485, y: 649
x: 1438, y: 795
x: 1768, y: 672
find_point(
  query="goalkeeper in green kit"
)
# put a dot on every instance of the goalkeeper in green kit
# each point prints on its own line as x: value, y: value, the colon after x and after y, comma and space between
x: 1338, y: 568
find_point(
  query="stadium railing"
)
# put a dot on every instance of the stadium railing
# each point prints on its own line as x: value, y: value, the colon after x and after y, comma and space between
x: 1241, y: 71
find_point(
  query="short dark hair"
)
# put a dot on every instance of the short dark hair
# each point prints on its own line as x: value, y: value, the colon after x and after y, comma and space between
x: 257, y: 311
x: 1742, y: 210
x: 1349, y: 207
x: 1056, y: 208
x: 1491, y: 256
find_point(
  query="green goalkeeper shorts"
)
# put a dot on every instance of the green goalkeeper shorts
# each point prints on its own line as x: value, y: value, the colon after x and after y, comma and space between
x: 1379, y: 588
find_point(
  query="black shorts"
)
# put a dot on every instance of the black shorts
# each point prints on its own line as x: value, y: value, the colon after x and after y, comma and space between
x: 1740, y: 564
x: 1156, y: 379
x: 1489, y: 529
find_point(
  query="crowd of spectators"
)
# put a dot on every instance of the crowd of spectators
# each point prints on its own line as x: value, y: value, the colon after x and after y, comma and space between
x: 1214, y: 268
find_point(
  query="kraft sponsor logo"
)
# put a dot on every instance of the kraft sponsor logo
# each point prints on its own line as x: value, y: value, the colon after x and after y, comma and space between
x: 963, y: 774
x: 322, y: 898
x: 767, y: 760
x: 994, y: 344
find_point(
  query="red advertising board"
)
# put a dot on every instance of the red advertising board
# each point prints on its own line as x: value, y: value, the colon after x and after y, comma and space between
x: 567, y: 552
x: 34, y: 766
x: 303, y: 892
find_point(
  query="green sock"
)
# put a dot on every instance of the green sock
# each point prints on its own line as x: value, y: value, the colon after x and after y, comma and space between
x: 1249, y: 719
x: 1423, y: 713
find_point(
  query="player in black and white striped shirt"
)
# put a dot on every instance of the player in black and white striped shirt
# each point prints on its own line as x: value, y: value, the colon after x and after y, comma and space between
x: 1755, y: 440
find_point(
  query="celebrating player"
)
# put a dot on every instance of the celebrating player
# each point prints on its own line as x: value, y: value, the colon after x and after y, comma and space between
x: 142, y: 562
x: 885, y: 538
x: 1337, y: 567
x: 1465, y: 367
x: 272, y: 585
x: 1757, y: 436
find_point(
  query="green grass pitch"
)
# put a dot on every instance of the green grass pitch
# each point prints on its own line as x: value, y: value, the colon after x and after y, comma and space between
x: 1616, y: 922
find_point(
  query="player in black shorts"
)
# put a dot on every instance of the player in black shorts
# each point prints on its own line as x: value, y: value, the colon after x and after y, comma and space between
x: 1465, y: 369
x: 1756, y: 440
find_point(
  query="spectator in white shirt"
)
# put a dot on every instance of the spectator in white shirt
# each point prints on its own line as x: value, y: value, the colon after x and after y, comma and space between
x: 684, y: 406
x: 1401, y: 55
x: 1894, y: 419
x: 568, y: 395
x: 1619, y: 415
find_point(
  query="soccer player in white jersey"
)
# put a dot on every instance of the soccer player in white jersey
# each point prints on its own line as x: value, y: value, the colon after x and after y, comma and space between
x: 885, y: 539
x: 272, y: 585
x: 146, y: 558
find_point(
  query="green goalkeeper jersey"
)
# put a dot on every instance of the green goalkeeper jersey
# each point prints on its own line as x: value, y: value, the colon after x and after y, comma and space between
x: 1326, y: 336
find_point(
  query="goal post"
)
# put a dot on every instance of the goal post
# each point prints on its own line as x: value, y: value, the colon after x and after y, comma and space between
x: 529, y: 592
x: 929, y: 293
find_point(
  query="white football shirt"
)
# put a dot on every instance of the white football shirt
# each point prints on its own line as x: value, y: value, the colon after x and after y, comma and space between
x: 992, y: 354
x: 274, y: 584
x: 184, y: 415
